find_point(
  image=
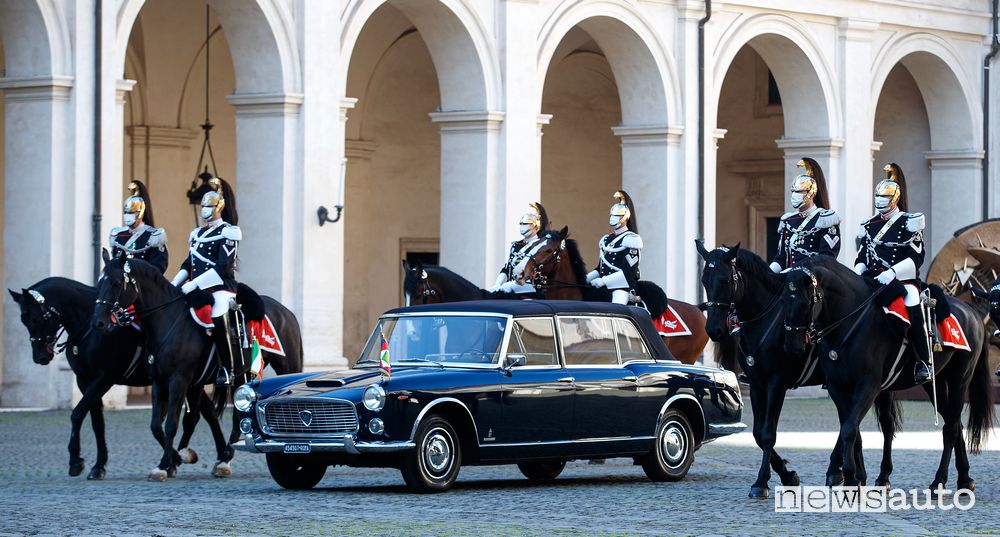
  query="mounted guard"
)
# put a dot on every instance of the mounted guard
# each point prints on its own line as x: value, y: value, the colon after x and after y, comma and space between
x: 138, y: 238
x: 891, y: 247
x: 510, y: 279
x: 811, y: 229
x: 618, y: 268
x: 211, y: 267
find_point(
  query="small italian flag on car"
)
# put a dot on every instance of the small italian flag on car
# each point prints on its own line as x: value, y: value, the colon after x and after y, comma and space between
x: 256, y: 360
x: 383, y: 359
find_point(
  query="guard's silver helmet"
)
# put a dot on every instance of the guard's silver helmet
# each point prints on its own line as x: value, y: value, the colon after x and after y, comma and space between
x: 888, y: 191
x: 213, y: 199
x: 620, y: 210
x: 134, y: 204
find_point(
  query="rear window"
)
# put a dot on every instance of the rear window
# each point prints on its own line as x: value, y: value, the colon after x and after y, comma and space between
x: 630, y: 343
x: 588, y: 340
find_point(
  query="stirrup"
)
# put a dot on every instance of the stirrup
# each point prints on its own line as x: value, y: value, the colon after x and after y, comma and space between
x: 223, y: 376
x: 922, y: 372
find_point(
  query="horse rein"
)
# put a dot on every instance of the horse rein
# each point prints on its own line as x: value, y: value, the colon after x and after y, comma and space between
x: 737, y: 286
x: 813, y: 335
x: 48, y: 312
x: 120, y: 316
x: 553, y: 258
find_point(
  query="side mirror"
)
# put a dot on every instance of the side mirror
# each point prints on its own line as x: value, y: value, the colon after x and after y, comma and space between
x: 514, y: 360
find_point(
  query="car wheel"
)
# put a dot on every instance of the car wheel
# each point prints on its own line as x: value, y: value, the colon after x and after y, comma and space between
x: 673, y: 453
x: 294, y: 472
x: 541, y: 471
x: 433, y: 465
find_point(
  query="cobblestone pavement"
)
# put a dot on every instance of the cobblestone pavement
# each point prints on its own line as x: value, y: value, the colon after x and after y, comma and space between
x: 38, y: 497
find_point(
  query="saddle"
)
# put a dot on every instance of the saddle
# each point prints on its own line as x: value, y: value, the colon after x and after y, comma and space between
x: 949, y: 330
x: 650, y: 297
x: 248, y: 318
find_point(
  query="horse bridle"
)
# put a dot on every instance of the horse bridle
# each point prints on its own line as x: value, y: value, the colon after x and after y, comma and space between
x: 119, y: 315
x: 424, y: 281
x: 538, y: 278
x: 815, y: 306
x: 737, y: 286
x: 49, y: 313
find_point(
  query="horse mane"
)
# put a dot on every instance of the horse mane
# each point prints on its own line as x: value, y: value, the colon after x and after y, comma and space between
x: 448, y: 273
x: 576, y: 261
x: 147, y: 272
x: 756, y: 268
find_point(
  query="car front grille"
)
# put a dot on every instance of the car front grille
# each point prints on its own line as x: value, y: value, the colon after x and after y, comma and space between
x: 309, y: 417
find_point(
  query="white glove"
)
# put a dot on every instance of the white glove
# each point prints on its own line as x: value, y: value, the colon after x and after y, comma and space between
x: 597, y: 282
x: 188, y: 287
x: 886, y: 276
x: 860, y: 268
x: 775, y: 268
x: 501, y: 279
x: 519, y: 268
x: 179, y: 278
x: 507, y: 287
x: 592, y: 275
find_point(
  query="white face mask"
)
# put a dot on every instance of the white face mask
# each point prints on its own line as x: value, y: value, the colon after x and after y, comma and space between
x: 615, y: 221
x: 525, y: 230
x: 206, y: 213
x: 798, y: 198
x: 882, y: 204
x: 129, y: 219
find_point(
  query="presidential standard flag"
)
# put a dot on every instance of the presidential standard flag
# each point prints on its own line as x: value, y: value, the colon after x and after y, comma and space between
x: 383, y: 359
x: 256, y: 360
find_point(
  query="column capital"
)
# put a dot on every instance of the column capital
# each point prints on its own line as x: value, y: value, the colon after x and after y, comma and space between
x: 122, y: 87
x: 359, y: 149
x: 693, y: 10
x: 266, y: 104
x: 346, y: 104
x: 852, y: 29
x: 36, y: 88
x: 876, y: 147
x: 955, y: 159
x: 542, y: 120
x: 823, y: 147
x: 717, y: 136
x: 649, y: 134
x: 468, y: 120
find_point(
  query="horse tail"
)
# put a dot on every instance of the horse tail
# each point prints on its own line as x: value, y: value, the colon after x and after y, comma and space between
x: 251, y: 303
x: 888, y: 412
x: 726, y: 353
x: 980, y: 402
x: 220, y: 396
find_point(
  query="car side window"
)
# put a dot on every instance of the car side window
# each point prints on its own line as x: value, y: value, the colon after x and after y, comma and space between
x: 535, y: 339
x: 630, y: 343
x: 588, y: 340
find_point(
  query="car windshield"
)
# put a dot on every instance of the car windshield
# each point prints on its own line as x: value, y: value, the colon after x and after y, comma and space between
x: 441, y: 339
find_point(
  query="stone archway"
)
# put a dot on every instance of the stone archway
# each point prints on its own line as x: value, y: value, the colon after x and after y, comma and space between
x: 628, y: 88
x: 927, y: 121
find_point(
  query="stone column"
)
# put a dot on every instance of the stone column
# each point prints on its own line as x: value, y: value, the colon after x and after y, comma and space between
x: 851, y: 185
x: 470, y: 198
x: 956, y: 193
x: 38, y: 222
x: 361, y: 215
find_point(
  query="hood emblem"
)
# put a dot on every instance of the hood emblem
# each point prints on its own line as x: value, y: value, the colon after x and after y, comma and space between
x: 306, y: 417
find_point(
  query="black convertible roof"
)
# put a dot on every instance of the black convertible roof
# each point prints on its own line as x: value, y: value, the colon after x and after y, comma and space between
x: 528, y: 308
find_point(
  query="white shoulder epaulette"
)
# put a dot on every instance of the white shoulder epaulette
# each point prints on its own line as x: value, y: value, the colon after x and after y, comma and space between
x: 788, y: 215
x: 915, y: 221
x: 827, y: 218
x: 117, y: 230
x: 232, y: 232
x: 632, y: 240
x: 157, y: 237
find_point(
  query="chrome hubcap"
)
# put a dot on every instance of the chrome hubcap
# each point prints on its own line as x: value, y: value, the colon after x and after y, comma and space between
x: 437, y: 452
x: 673, y: 444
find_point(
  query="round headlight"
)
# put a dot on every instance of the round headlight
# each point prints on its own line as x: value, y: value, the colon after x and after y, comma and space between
x: 375, y: 426
x: 246, y: 426
x: 244, y: 398
x: 374, y: 398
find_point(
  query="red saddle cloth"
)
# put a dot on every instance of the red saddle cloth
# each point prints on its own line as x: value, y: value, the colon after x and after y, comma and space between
x: 267, y: 336
x: 670, y: 324
x: 952, y: 334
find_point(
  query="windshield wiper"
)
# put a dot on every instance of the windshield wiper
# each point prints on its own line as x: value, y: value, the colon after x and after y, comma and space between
x: 423, y: 360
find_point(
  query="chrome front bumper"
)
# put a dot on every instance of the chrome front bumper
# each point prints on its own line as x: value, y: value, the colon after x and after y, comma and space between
x: 716, y: 430
x: 344, y: 444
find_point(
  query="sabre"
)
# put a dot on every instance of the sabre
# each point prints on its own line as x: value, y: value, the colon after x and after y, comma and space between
x: 930, y: 352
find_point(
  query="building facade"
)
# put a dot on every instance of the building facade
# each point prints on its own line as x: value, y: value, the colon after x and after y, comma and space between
x: 452, y: 116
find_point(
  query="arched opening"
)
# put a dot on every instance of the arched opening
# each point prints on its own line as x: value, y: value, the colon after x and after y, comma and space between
x: 771, y: 111
x: 607, y: 95
x: 924, y: 122
x: 394, y: 168
x: 164, y: 110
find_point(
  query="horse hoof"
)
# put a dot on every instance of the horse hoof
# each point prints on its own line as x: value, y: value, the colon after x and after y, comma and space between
x: 884, y: 483
x: 188, y: 456
x: 172, y: 471
x: 834, y: 480
x: 76, y: 467
x: 222, y: 469
x: 791, y: 480
x: 96, y: 474
x: 157, y: 475
x: 759, y: 493
x: 969, y: 485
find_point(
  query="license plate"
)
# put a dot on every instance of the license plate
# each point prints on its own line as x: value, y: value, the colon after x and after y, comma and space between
x: 297, y: 448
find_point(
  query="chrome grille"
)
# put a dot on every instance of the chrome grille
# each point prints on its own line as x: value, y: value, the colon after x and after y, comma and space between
x: 324, y: 417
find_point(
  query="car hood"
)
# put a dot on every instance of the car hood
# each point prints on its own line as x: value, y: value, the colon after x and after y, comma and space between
x: 352, y: 382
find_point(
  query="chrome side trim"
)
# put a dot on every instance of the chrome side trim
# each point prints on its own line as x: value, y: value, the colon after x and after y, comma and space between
x: 346, y: 444
x: 723, y: 429
x: 432, y: 404
x: 671, y: 401
x: 566, y: 442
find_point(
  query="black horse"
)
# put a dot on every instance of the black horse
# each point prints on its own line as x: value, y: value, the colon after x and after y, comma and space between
x: 992, y: 297
x: 433, y: 284
x: 862, y: 353
x: 180, y: 351
x: 742, y: 291
x: 55, y: 306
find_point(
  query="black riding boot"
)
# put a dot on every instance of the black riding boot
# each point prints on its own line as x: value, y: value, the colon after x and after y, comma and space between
x: 223, y: 349
x: 918, y: 339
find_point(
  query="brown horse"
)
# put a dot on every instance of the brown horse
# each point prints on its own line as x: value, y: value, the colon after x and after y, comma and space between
x: 558, y: 272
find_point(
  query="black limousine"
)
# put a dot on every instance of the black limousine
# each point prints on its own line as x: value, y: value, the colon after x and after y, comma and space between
x: 532, y: 383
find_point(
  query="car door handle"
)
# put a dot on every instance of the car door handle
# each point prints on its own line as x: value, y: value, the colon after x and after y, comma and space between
x: 566, y: 379
x: 631, y: 378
